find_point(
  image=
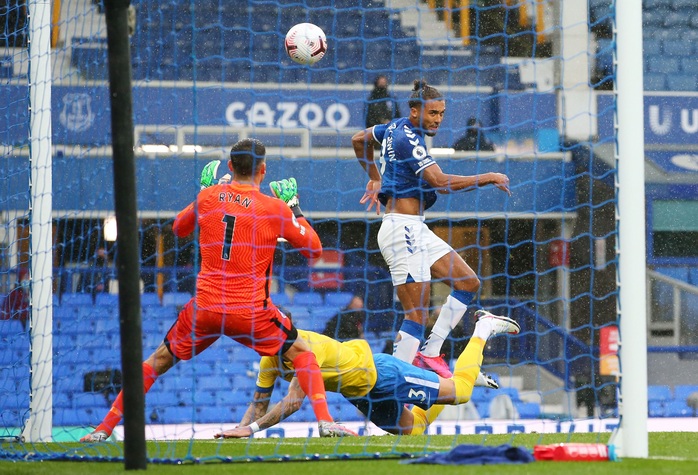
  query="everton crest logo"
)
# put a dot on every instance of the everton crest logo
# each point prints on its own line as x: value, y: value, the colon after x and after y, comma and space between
x: 77, y: 114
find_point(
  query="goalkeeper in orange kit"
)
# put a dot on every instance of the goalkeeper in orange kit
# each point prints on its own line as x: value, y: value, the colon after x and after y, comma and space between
x: 239, y: 228
x: 378, y: 385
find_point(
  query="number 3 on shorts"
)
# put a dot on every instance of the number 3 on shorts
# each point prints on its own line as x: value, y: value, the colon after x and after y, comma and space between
x: 421, y: 395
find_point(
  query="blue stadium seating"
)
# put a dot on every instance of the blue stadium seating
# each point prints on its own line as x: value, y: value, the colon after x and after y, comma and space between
x: 308, y: 299
x: 74, y: 417
x: 338, y: 299
x: 656, y: 409
x: 655, y: 81
x: 659, y: 393
x: 149, y: 298
x: 528, y: 410
x: 76, y: 299
x: 320, y: 315
x: 682, y: 392
x: 175, y: 298
x: 10, y: 328
x: 681, y: 82
x: 107, y: 300
x: 678, y: 409
x: 89, y: 400
x: 280, y: 299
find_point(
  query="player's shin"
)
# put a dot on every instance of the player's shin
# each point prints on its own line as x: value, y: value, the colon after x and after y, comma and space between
x: 450, y: 315
x: 467, y: 369
x: 116, y: 412
x: 310, y: 380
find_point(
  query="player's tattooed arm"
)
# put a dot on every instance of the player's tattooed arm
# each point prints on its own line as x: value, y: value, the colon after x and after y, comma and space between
x: 283, y: 409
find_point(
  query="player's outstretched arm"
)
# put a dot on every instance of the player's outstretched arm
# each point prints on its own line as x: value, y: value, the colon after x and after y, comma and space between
x: 446, y: 183
x: 283, y: 409
x: 257, y: 408
x: 297, y: 230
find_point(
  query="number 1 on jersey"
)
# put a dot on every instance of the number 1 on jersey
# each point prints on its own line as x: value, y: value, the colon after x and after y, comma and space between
x: 229, y: 221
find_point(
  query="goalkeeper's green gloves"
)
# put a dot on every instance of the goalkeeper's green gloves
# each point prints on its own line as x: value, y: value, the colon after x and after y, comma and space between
x: 287, y: 191
x: 209, y: 173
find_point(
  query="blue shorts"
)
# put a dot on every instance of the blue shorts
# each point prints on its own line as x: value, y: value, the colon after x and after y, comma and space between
x: 398, y: 383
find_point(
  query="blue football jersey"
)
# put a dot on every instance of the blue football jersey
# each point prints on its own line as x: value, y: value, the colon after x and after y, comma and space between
x: 403, y: 158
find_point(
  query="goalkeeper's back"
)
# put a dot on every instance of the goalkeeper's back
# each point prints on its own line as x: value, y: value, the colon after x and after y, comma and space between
x: 239, y: 229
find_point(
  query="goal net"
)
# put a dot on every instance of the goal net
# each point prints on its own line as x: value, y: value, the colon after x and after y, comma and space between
x: 528, y: 88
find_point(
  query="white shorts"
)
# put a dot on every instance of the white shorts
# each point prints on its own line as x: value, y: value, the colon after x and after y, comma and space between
x: 409, y: 247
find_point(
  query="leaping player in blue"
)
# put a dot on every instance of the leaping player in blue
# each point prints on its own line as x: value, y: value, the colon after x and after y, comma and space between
x: 406, y: 185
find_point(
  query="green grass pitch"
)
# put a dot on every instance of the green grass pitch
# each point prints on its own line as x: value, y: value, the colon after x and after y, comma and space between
x: 670, y: 453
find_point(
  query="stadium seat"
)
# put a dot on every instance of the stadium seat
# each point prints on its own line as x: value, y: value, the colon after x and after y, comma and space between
x: 652, y: 4
x: 656, y: 409
x: 662, y: 64
x: 659, y: 393
x: 346, y: 412
x: 76, y: 299
x: 106, y: 300
x: 681, y: 4
x: 655, y: 82
x: 651, y: 46
x: 682, y: 392
x: 10, y: 328
x: 677, y: 48
x: 338, y: 299
x: 319, y: 316
x: 307, y: 299
x: 149, y: 298
x: 175, y: 298
x: 675, y: 19
x: 74, y: 417
x: 89, y: 400
x: 528, y: 410
x: 678, y: 409
x: 681, y: 82
x: 280, y: 299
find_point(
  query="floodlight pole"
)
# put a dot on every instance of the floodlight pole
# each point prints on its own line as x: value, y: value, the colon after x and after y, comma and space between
x: 630, y: 161
x: 127, y: 259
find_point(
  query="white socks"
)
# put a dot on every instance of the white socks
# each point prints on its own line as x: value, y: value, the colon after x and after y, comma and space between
x: 451, y: 314
x: 483, y: 329
x: 406, y: 348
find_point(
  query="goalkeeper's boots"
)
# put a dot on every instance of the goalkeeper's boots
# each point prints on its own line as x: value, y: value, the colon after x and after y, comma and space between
x: 437, y: 364
x: 286, y: 190
x: 497, y: 324
x: 332, y: 429
x: 96, y: 436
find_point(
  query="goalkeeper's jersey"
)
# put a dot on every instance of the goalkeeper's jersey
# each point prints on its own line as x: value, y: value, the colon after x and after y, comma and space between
x: 346, y: 368
x: 240, y: 227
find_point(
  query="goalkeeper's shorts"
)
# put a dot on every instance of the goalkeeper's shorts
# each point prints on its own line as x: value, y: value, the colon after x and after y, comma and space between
x: 264, y: 330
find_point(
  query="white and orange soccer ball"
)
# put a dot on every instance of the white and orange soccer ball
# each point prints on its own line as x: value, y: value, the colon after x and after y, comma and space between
x: 306, y: 43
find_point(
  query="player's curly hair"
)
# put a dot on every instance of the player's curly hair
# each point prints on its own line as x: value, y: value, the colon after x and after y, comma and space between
x: 246, y: 156
x: 422, y: 92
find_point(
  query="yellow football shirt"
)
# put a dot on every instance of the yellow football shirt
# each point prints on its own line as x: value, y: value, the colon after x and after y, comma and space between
x: 347, y: 368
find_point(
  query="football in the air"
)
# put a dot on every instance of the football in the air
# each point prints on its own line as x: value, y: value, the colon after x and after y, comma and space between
x: 306, y: 43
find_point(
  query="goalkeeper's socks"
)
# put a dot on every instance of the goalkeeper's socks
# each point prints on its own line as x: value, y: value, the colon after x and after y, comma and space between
x: 423, y: 418
x: 116, y: 412
x: 310, y: 380
x: 467, y: 369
